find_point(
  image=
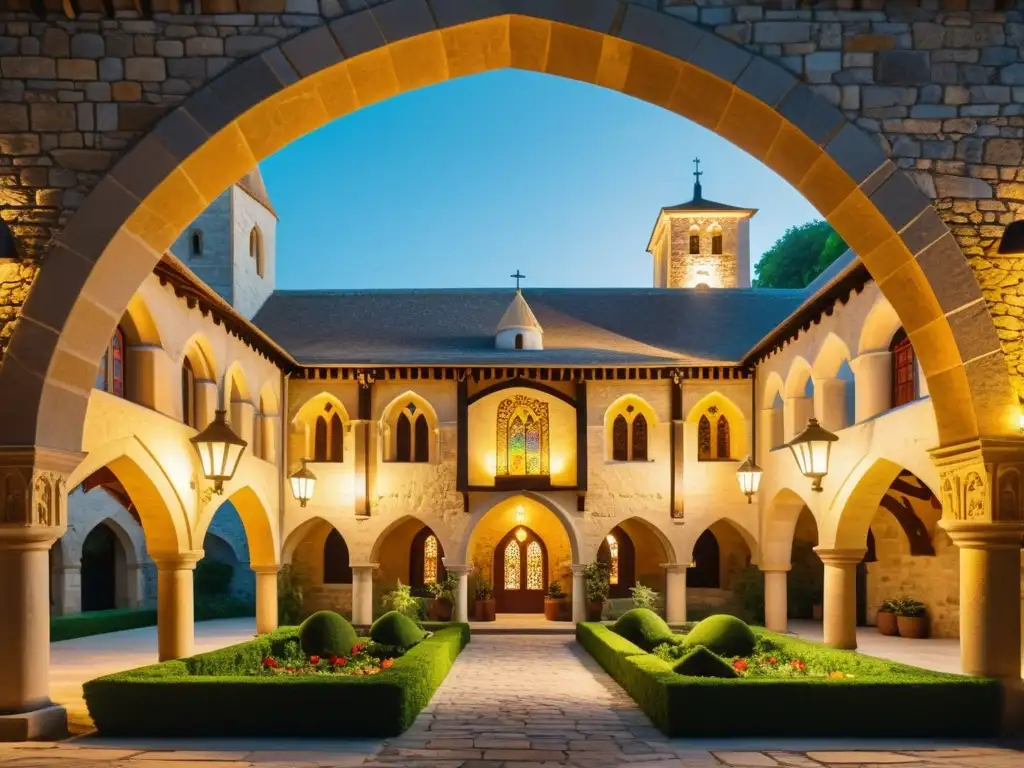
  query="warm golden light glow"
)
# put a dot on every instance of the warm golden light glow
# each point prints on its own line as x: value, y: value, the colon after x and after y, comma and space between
x: 521, y: 534
x: 303, y: 483
x: 811, y: 449
x: 749, y: 477
x: 520, y: 515
x: 220, y: 450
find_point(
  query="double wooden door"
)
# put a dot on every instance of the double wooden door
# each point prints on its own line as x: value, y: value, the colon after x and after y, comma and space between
x: 520, y: 572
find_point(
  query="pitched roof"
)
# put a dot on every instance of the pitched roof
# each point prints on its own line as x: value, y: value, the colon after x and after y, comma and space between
x: 252, y: 184
x: 518, y: 315
x: 583, y: 327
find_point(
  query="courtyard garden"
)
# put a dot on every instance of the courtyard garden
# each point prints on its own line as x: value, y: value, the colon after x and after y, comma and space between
x: 725, y: 678
x: 316, y: 679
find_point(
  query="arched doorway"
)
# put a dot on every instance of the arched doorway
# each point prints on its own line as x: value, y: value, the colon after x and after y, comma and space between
x: 705, y: 571
x: 520, y: 563
x: 426, y: 560
x: 618, y: 553
x: 101, y: 554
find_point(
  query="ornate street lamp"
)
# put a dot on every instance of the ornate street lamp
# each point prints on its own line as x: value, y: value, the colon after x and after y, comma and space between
x: 749, y: 476
x: 1012, y: 242
x: 811, y: 449
x: 303, y: 482
x: 220, y: 450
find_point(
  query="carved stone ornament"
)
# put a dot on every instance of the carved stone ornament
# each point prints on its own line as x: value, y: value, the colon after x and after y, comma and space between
x: 980, y: 482
x: 30, y: 495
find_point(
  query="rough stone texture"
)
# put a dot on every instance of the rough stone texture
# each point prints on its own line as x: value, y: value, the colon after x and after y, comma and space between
x: 951, y: 74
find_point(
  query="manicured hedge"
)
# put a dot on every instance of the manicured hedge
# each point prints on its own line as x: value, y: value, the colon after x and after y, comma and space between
x: 882, y: 699
x: 206, y: 695
x: 119, y: 619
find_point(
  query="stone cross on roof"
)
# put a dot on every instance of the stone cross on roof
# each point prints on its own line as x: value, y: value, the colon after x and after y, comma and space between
x: 697, y: 173
x: 518, y: 277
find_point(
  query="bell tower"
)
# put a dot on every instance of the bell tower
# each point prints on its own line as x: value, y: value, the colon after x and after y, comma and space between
x: 701, y: 243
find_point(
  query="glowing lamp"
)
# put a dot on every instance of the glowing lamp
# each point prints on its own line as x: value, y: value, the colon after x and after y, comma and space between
x: 749, y: 477
x: 1012, y: 242
x: 520, y: 515
x: 303, y: 482
x: 811, y: 449
x: 220, y: 450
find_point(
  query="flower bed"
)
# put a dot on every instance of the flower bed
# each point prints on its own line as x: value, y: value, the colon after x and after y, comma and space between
x: 235, y: 692
x: 871, y: 698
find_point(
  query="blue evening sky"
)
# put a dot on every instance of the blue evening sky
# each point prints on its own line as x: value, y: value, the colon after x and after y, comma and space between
x: 462, y: 183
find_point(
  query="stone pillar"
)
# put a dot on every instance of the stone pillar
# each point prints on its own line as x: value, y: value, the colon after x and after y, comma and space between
x: 240, y: 417
x: 579, y: 594
x: 361, y: 433
x: 872, y: 381
x: 206, y: 403
x: 675, y: 593
x: 840, y: 599
x: 175, y: 606
x: 830, y: 403
x: 776, y: 599
x: 32, y: 517
x: 266, y: 597
x: 461, y: 572
x: 362, y: 593
x: 796, y: 411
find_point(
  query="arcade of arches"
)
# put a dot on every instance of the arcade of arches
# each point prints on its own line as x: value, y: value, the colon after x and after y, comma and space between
x: 121, y: 335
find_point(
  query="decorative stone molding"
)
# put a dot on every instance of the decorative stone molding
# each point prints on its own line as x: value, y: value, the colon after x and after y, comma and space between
x: 840, y: 557
x: 980, y: 482
x: 33, y: 488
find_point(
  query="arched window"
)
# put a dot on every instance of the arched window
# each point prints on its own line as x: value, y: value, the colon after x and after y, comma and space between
x: 337, y: 569
x: 694, y: 240
x: 519, y: 341
x: 522, y: 437
x: 512, y: 565
x: 188, y: 394
x: 196, y: 245
x: 722, y: 428
x: 426, y: 559
x: 703, y: 439
x: 620, y: 439
x: 430, y: 560
x: 403, y: 438
x: 639, y: 438
x: 904, y: 384
x: 110, y: 376
x: 716, y: 240
x: 421, y: 446
x: 337, y: 441
x: 613, y: 558
x: 534, y: 566
x: 320, y: 439
x: 256, y: 249
x: 617, y: 553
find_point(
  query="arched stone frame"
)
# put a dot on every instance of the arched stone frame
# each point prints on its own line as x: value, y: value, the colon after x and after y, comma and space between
x: 261, y: 528
x: 257, y: 249
x: 305, y: 420
x: 620, y: 408
x: 831, y: 396
x: 778, y: 527
x: 715, y: 237
x: 133, y: 544
x: 199, y: 354
x: 740, y: 526
x: 254, y: 108
x: 798, y: 405
x: 695, y: 240
x: 435, y: 524
x: 265, y: 425
x: 480, y: 507
x: 237, y: 400
x: 878, y: 328
x: 739, y: 429
x: 418, y: 559
x: 669, y: 549
x: 346, y: 527
x: 773, y: 411
x: 389, y: 419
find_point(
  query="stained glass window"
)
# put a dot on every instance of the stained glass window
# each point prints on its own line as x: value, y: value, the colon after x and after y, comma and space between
x: 613, y: 551
x: 640, y: 438
x: 620, y: 439
x: 430, y: 560
x: 117, y: 363
x: 101, y: 373
x: 517, y: 447
x: 532, y: 447
x: 703, y: 439
x: 723, y: 438
x: 534, y: 566
x: 522, y: 437
x: 512, y: 564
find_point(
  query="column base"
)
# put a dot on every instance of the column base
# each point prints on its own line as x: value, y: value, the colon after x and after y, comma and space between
x: 47, y: 724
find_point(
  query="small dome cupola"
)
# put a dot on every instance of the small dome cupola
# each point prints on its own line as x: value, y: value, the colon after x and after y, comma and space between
x: 519, y: 328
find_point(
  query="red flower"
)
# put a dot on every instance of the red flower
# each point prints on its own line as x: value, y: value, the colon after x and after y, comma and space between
x: 270, y: 663
x: 357, y: 648
x: 773, y: 660
x: 314, y: 660
x: 740, y: 665
x: 334, y: 660
x: 386, y: 664
x: 342, y: 661
x: 799, y: 664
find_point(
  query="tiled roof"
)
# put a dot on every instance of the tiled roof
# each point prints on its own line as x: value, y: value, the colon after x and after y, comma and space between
x: 582, y: 327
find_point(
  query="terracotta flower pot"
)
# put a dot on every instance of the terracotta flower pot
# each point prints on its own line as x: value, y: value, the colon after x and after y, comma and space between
x: 555, y: 608
x: 913, y: 626
x: 886, y: 623
x: 439, y: 610
x: 485, y: 610
x: 594, y: 610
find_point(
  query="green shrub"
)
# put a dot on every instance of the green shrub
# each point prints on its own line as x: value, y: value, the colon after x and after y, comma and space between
x: 700, y: 662
x: 223, y: 607
x: 401, y: 599
x: 212, y: 577
x: 644, y: 627
x: 326, y: 633
x: 396, y: 629
x: 723, y: 634
x: 289, y: 596
x: 100, y: 622
x: 644, y: 597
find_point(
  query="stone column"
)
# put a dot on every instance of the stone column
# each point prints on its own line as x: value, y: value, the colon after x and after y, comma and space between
x: 32, y: 517
x: 776, y: 598
x: 579, y: 594
x: 990, y: 618
x: 175, y: 606
x: 675, y: 593
x: 266, y: 597
x: 872, y: 381
x: 362, y: 593
x: 796, y: 411
x: 830, y: 403
x: 461, y: 572
x: 840, y: 600
x: 240, y: 417
x: 206, y: 403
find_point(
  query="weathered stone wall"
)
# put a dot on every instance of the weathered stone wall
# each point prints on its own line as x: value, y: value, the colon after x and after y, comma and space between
x: 213, y: 265
x: 688, y: 270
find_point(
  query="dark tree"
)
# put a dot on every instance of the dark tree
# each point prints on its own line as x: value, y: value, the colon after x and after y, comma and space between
x: 799, y: 256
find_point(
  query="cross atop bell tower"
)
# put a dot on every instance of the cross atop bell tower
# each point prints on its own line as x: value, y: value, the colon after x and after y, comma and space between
x: 697, y: 173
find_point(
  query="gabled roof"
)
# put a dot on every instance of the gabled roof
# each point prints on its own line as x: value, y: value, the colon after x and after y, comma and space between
x: 697, y: 205
x: 518, y: 316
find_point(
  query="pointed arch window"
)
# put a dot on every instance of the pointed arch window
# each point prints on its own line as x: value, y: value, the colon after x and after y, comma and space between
x: 196, y: 244
x: 904, y: 384
x: 110, y: 376
x: 256, y: 249
x: 421, y: 450
x: 512, y: 564
x: 704, y: 439
x: 337, y: 569
x: 320, y: 439
x: 613, y: 557
x: 534, y: 566
x: 640, y: 438
x: 522, y: 437
x: 620, y: 439
x: 430, y: 559
x: 723, y: 448
x: 188, y: 394
x: 403, y: 438
x: 336, y: 449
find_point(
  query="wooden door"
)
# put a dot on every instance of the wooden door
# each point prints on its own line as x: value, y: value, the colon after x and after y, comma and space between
x: 520, y: 572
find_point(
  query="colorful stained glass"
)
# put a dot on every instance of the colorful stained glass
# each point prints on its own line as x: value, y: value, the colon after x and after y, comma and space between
x: 532, y: 447
x: 512, y: 564
x: 101, y: 373
x: 613, y: 551
x: 430, y: 560
x: 518, y: 443
x: 534, y: 566
x: 117, y: 363
x: 516, y: 447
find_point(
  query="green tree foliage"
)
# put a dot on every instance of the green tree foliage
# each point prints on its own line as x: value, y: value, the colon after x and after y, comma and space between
x: 799, y: 256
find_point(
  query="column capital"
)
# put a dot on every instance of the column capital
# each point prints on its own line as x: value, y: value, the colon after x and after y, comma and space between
x: 981, y: 481
x: 675, y: 567
x: 779, y: 567
x: 364, y: 566
x: 983, y: 535
x: 177, y: 561
x: 840, y: 556
x: 33, y: 492
x: 458, y: 568
x: 578, y: 568
x: 275, y: 569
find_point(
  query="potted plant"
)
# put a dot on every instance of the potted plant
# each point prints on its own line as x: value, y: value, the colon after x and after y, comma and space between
x: 440, y: 608
x: 885, y: 619
x: 911, y: 618
x: 595, y: 580
x: 485, y: 607
x: 556, y: 603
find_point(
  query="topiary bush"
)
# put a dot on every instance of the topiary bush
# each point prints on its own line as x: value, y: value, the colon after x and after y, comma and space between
x: 700, y: 662
x: 644, y: 628
x: 396, y: 629
x: 724, y: 635
x: 326, y: 633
